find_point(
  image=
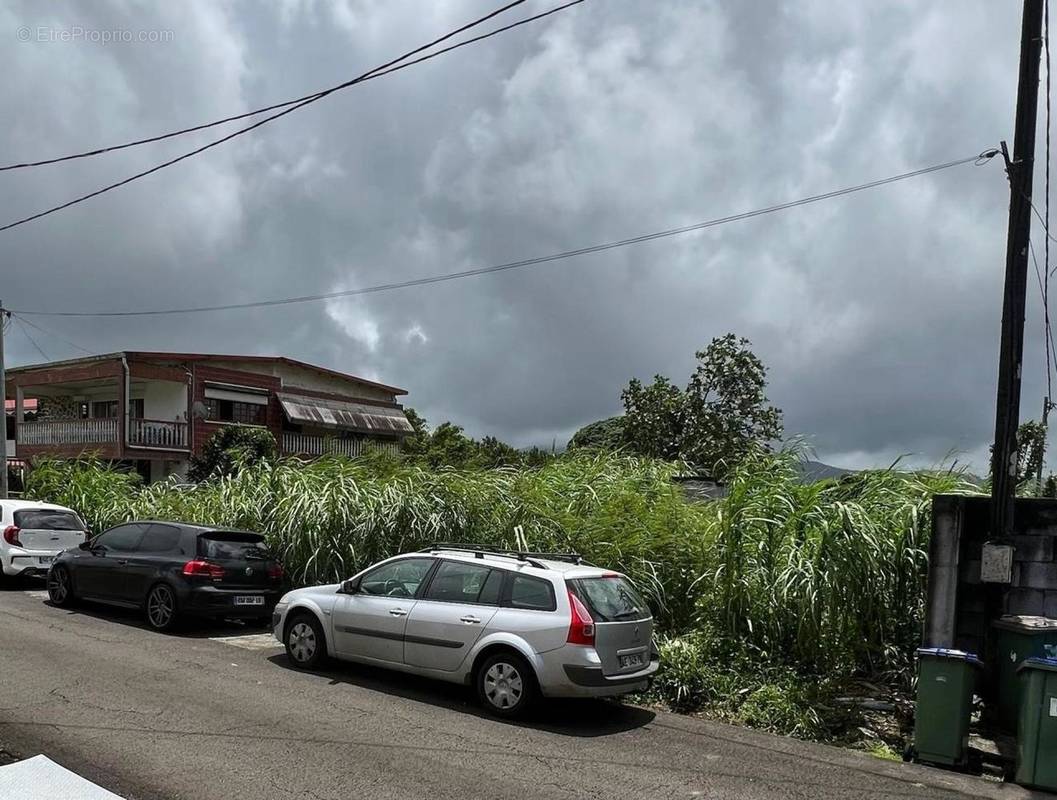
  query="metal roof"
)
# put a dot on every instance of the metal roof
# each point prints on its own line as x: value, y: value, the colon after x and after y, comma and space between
x: 344, y: 415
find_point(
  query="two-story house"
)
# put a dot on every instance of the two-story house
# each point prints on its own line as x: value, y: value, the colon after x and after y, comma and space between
x: 154, y: 411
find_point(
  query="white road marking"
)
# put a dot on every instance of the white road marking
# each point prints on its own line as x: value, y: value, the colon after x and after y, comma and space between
x: 38, y: 594
x: 252, y: 641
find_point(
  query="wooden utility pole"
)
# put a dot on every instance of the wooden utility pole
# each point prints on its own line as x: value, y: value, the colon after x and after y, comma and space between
x: 1011, y: 353
x: 3, y: 391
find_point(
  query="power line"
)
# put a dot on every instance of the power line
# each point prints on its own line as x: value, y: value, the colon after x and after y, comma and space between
x: 375, y: 73
x: 255, y: 112
x: 527, y: 262
x: 32, y: 341
x: 54, y: 335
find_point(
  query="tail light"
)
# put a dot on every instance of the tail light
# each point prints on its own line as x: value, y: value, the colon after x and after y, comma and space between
x: 275, y: 571
x: 11, y: 535
x: 204, y: 569
x: 582, y: 627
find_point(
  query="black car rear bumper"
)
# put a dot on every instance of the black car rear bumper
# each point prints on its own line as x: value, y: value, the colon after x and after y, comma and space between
x: 214, y: 602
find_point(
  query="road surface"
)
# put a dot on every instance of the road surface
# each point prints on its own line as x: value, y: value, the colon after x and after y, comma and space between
x: 216, y: 713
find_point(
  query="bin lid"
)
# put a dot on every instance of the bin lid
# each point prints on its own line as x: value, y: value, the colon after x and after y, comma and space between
x: 954, y: 655
x: 1048, y: 664
x: 1028, y: 625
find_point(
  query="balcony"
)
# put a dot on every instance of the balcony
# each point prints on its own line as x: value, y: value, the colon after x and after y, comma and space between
x: 142, y: 433
x: 158, y: 434
x: 66, y: 432
x: 303, y: 444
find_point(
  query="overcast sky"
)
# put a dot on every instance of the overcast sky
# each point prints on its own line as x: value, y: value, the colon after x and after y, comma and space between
x: 877, y: 314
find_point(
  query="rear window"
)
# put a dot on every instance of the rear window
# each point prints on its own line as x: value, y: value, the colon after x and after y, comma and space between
x: 45, y: 520
x: 232, y: 545
x: 610, y: 598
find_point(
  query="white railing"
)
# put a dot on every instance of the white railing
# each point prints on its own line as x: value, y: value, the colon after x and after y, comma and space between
x: 303, y: 444
x: 68, y: 431
x: 157, y: 433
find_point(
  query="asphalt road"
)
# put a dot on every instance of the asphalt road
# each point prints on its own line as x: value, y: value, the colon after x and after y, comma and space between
x: 190, y: 716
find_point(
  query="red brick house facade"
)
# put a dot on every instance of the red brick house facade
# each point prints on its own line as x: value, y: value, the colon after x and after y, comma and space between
x: 156, y: 410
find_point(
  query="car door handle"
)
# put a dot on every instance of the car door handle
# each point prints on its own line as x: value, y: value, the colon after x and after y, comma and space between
x: 470, y: 620
x: 398, y: 612
x: 123, y: 562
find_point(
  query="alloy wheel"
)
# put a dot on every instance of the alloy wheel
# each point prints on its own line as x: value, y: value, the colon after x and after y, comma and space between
x: 58, y: 585
x: 161, y: 607
x: 302, y: 642
x: 503, y: 685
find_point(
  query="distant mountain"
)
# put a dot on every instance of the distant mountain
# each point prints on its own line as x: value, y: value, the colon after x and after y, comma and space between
x: 811, y: 471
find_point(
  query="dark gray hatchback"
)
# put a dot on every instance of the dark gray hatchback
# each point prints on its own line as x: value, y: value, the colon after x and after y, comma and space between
x: 171, y: 570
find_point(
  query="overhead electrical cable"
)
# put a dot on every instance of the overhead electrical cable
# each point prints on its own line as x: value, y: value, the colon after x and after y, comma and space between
x: 527, y: 262
x: 314, y: 98
x: 314, y: 95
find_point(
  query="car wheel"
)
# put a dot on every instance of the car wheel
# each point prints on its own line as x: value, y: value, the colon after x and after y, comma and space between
x: 506, y: 685
x: 305, y: 646
x: 160, y: 608
x: 60, y: 587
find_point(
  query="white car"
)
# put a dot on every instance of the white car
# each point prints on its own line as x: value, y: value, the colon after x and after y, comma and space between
x: 34, y: 533
x: 513, y: 625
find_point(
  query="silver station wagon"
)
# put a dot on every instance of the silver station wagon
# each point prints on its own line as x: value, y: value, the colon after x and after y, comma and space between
x: 514, y: 625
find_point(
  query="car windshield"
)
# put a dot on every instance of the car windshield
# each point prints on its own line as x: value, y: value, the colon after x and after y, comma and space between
x: 48, y: 520
x: 611, y: 598
x: 233, y: 546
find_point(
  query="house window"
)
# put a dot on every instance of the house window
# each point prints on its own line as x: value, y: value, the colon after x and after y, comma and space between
x: 104, y: 409
x: 234, y: 411
x: 107, y: 409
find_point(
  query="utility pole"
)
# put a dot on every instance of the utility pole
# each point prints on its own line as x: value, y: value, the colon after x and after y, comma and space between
x: 1011, y: 353
x: 3, y: 390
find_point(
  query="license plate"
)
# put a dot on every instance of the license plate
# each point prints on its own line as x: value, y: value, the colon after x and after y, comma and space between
x: 634, y: 660
x: 249, y: 600
x: 46, y: 560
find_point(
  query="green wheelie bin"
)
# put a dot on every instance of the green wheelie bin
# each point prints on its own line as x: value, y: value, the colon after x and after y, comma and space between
x: 1016, y: 640
x: 946, y: 682
x: 1037, y: 729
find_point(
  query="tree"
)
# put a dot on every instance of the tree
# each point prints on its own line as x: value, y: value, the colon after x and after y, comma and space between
x: 713, y: 423
x: 726, y: 407
x: 606, y: 434
x: 654, y: 417
x: 231, y: 449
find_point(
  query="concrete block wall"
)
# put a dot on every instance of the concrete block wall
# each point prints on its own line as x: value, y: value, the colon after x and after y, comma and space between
x: 960, y: 609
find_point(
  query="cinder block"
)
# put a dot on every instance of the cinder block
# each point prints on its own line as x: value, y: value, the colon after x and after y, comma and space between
x: 969, y: 572
x: 1034, y: 575
x: 1033, y: 548
x: 1026, y: 602
x: 1051, y: 605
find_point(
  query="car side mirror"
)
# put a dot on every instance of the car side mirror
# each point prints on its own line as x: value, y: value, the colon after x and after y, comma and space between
x: 351, y: 586
x: 85, y: 545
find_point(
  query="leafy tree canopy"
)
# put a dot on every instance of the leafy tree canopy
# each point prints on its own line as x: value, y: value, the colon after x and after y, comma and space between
x: 716, y: 420
x: 231, y: 449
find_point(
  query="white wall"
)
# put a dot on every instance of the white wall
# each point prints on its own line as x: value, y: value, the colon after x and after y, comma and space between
x: 164, y: 400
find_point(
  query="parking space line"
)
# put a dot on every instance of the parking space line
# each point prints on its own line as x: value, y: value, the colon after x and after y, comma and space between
x: 253, y: 641
x: 37, y: 594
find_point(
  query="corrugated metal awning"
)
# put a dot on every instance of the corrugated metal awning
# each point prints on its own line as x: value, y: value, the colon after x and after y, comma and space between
x: 345, y: 415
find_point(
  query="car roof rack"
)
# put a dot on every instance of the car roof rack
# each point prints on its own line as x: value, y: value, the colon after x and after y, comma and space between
x: 480, y: 551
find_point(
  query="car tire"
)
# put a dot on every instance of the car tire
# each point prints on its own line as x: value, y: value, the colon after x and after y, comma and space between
x: 506, y: 685
x: 60, y: 587
x: 160, y: 609
x: 305, y: 643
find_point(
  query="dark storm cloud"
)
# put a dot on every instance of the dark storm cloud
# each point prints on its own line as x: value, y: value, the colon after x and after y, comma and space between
x: 877, y: 313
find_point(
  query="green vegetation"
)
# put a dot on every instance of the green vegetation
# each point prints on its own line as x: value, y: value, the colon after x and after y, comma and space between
x: 720, y: 417
x: 769, y: 601
x: 447, y: 446
x: 231, y: 449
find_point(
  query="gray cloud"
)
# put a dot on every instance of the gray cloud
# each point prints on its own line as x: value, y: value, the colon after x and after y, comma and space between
x: 877, y: 313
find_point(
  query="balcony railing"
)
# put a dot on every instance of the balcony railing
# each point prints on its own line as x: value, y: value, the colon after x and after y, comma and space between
x: 157, y: 433
x: 68, y: 432
x: 302, y: 444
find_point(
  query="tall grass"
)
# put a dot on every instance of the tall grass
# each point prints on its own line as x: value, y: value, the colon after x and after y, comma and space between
x: 825, y: 577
